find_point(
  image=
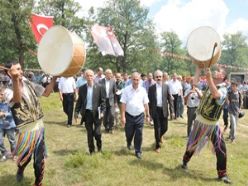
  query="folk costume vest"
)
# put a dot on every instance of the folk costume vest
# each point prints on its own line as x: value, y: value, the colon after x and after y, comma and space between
x: 29, y: 109
x: 209, y: 108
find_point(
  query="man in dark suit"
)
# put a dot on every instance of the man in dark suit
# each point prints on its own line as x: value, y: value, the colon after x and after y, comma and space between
x: 91, y: 105
x: 159, y: 99
x: 109, y: 87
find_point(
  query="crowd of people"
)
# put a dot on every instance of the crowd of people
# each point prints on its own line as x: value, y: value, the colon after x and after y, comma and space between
x: 116, y: 100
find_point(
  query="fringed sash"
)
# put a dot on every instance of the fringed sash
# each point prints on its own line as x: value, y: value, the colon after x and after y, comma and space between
x: 200, y: 134
x: 27, y: 142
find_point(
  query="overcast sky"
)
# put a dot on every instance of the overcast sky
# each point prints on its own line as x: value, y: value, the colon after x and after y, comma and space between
x: 183, y: 16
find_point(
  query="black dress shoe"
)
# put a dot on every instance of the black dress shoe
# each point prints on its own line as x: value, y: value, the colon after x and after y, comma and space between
x: 129, y: 147
x: 184, y: 166
x: 138, y: 155
x: 225, y: 179
x: 99, y: 149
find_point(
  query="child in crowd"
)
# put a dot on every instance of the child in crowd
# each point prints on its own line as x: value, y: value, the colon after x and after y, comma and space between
x: 7, y: 126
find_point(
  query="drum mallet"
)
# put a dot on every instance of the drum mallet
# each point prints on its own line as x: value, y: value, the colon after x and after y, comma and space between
x: 215, y: 45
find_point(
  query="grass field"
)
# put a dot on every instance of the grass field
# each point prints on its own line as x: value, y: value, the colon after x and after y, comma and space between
x: 68, y: 162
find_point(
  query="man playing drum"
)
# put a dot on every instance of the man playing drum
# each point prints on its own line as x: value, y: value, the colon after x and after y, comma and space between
x: 206, y: 125
x: 28, y: 118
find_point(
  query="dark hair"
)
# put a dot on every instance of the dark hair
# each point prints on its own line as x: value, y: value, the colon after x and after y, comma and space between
x: 143, y: 75
x: 9, y: 64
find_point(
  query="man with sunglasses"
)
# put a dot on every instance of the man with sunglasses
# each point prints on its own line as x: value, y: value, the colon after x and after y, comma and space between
x: 159, y: 102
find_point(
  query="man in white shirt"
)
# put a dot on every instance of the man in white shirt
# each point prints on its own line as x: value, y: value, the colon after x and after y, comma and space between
x: 176, y: 90
x: 134, y: 101
x: 67, y: 91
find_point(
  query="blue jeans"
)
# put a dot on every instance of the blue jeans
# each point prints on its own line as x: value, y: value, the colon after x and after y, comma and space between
x: 11, y: 137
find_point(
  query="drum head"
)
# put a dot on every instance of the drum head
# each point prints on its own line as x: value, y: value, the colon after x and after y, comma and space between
x: 55, y: 50
x: 201, y: 42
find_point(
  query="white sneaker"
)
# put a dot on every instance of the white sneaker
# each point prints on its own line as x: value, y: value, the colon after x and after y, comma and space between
x: 3, y: 158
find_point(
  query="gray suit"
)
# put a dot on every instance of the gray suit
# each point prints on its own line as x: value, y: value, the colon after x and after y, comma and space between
x: 108, y: 120
x: 91, y: 117
x: 159, y: 114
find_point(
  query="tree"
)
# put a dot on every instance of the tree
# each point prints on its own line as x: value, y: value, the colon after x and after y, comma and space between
x: 170, y: 43
x: 235, y: 50
x: 16, y: 38
x: 135, y: 33
x: 65, y: 13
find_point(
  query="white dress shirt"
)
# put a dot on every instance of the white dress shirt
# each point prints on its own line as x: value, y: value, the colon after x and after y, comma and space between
x: 107, y: 82
x: 159, y: 95
x: 175, y: 87
x: 67, y: 85
x: 134, y: 100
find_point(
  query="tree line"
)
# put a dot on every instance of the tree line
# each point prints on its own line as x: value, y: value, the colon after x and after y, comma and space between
x: 134, y: 29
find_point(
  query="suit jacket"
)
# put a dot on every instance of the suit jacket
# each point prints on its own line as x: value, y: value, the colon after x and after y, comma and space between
x: 166, y: 99
x: 98, y: 100
x: 112, y: 90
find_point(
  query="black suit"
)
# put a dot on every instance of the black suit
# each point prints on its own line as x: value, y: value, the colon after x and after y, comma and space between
x: 108, y: 120
x: 91, y: 117
x: 159, y: 114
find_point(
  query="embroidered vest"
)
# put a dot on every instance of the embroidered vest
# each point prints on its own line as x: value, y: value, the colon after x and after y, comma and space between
x: 29, y: 109
x: 209, y: 108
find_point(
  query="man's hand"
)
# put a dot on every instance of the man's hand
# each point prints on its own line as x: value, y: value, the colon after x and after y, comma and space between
x: 2, y: 114
x: 123, y: 121
x: 173, y: 115
x: 76, y: 117
x: 15, y: 72
x: 148, y: 118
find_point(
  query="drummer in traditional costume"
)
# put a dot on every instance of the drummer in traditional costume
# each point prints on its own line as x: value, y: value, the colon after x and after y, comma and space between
x: 206, y: 126
x: 28, y: 117
x: 206, y: 51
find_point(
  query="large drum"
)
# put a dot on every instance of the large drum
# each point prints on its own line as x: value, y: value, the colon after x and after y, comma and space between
x: 61, y: 52
x: 204, y: 46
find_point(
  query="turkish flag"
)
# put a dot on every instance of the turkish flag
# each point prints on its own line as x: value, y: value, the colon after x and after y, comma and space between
x: 106, y: 40
x: 40, y: 24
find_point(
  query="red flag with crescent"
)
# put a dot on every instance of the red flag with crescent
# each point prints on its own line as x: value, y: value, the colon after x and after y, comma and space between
x: 40, y: 24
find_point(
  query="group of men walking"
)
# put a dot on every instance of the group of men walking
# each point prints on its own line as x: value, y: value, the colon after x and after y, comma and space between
x: 97, y: 100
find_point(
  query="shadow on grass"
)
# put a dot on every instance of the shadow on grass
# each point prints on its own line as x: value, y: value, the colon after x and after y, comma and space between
x: 123, y: 152
x: 181, y: 123
x: 177, y: 173
x: 174, y: 173
x: 65, y: 152
x: 10, y: 180
x: 55, y: 123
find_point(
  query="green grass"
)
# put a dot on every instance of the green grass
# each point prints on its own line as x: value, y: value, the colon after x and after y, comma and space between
x: 69, y: 163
